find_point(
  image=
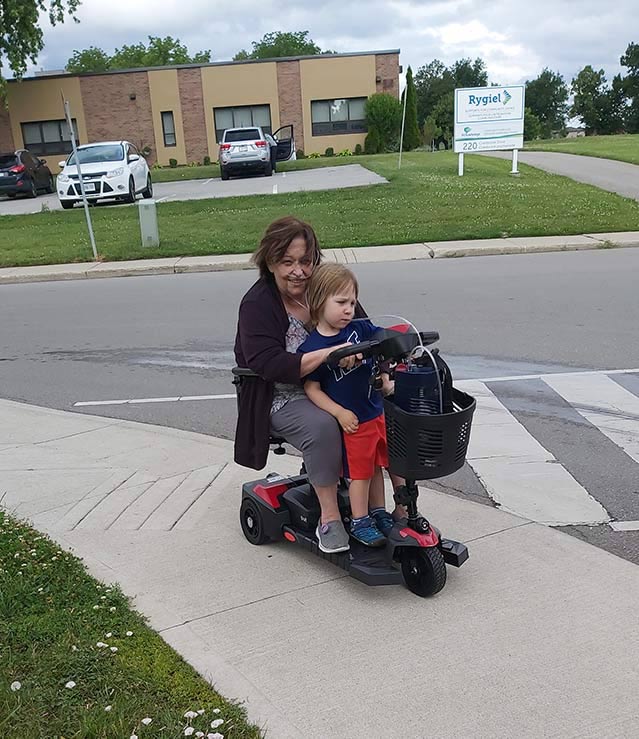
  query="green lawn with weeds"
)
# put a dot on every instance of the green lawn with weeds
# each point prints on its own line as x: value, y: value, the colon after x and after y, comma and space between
x: 76, y: 661
x: 623, y: 147
x: 424, y: 201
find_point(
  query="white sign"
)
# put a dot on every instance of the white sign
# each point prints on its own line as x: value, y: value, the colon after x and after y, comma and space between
x: 489, y: 118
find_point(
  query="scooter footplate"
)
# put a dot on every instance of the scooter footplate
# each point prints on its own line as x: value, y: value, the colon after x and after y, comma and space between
x: 455, y: 553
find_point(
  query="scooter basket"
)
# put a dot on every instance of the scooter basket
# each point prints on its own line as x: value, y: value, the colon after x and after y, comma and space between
x: 426, y: 446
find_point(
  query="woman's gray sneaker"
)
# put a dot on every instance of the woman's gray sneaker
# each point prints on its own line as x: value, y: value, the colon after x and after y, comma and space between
x: 332, y: 537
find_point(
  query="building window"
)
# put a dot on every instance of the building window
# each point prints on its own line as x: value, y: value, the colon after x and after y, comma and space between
x: 344, y: 115
x: 48, y: 137
x: 168, y: 128
x: 241, y: 117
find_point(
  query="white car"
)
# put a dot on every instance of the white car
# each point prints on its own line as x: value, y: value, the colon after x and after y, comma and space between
x: 110, y: 170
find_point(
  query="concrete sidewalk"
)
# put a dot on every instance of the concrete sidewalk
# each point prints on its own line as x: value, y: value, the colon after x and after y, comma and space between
x: 536, y: 635
x: 362, y: 254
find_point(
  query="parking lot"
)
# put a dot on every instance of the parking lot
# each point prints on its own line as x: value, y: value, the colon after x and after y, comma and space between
x: 322, y: 178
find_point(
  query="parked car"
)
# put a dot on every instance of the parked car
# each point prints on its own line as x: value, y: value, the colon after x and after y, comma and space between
x: 110, y: 170
x: 251, y: 149
x: 22, y: 172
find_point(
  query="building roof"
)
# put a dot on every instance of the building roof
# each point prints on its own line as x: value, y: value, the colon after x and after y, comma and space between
x: 54, y: 74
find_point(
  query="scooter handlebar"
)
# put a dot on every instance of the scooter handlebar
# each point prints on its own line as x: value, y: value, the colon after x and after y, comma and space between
x: 365, y: 348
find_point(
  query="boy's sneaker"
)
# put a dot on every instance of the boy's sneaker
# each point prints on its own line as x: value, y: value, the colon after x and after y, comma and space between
x: 383, y: 519
x: 332, y: 537
x: 365, y: 531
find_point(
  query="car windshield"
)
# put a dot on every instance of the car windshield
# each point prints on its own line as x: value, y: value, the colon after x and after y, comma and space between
x: 7, y: 160
x: 98, y: 153
x: 245, y: 134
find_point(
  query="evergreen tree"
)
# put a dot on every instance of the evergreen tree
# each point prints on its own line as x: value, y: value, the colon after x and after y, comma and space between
x: 411, y: 129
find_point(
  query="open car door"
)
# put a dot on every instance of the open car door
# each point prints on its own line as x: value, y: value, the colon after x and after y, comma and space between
x: 285, y: 144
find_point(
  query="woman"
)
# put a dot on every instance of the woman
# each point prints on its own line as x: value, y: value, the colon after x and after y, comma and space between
x: 273, y: 322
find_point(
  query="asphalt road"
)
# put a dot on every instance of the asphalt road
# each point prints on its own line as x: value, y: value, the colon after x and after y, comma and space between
x: 503, y: 316
x: 619, y: 177
x: 322, y: 178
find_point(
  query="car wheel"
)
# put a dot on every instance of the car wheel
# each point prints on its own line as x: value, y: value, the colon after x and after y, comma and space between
x: 11, y: 195
x: 148, y: 190
x: 67, y: 204
x: 130, y: 198
x: 224, y: 173
x: 50, y: 185
x: 33, y: 192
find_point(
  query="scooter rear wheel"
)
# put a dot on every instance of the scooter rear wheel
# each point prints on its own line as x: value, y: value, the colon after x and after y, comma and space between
x: 252, y: 523
x: 424, y: 570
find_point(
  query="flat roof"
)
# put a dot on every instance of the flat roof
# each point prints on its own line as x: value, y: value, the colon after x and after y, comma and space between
x: 44, y: 75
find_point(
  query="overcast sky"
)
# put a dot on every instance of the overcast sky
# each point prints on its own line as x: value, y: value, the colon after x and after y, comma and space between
x: 516, y: 38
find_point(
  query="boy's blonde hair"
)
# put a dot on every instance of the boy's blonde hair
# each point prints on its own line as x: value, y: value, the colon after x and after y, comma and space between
x: 327, y: 280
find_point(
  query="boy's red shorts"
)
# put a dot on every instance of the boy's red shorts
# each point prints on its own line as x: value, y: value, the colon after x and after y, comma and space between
x: 365, y: 449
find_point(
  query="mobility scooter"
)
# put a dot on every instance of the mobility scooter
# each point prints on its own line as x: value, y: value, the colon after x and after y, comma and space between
x: 428, y: 424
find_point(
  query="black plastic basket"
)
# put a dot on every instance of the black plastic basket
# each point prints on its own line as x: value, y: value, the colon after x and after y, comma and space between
x: 423, y: 447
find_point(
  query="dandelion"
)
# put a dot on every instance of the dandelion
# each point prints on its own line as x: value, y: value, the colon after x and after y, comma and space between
x: 108, y: 708
x: 190, y: 714
x: 201, y: 711
x: 95, y: 608
x: 216, y: 723
x: 103, y: 597
x: 133, y: 736
x: 215, y: 736
x: 70, y: 684
x: 101, y: 644
x: 114, y: 649
x: 112, y: 609
x: 109, y: 635
x: 189, y: 731
x: 74, y: 648
x: 216, y: 710
x: 146, y: 721
x: 129, y: 633
x: 199, y: 734
x: 16, y: 685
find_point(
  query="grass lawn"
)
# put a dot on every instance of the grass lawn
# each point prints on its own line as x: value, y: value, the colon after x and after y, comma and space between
x: 624, y: 147
x: 76, y: 661
x: 425, y: 201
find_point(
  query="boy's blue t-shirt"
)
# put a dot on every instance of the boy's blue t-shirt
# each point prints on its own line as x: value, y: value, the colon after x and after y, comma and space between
x: 350, y: 388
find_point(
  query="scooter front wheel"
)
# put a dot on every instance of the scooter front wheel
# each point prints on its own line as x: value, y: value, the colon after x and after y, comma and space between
x: 424, y: 570
x: 252, y: 523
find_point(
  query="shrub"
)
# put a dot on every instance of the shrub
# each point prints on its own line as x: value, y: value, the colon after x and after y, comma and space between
x: 300, y: 154
x: 207, y: 160
x: 314, y: 155
x: 372, y: 144
x: 358, y: 149
x: 384, y: 120
x: 173, y: 163
x: 345, y: 153
x: 329, y: 152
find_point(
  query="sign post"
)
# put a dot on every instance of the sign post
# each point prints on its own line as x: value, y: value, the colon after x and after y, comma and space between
x: 489, y: 119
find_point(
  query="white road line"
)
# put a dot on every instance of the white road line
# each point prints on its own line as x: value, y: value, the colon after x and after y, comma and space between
x: 624, y: 525
x: 175, y: 399
x: 159, y: 200
x: 275, y: 189
x: 583, y: 373
x: 608, y: 406
x: 519, y: 473
x: 211, y: 180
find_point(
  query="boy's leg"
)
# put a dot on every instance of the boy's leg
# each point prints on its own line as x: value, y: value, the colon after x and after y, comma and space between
x: 376, y: 496
x: 358, y: 494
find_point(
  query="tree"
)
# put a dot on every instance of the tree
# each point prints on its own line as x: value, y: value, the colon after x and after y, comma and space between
x: 431, y: 132
x: 92, y: 59
x: 589, y: 90
x: 630, y: 60
x: 280, y: 43
x: 614, y: 111
x: 443, y: 116
x: 432, y: 81
x: 20, y: 33
x: 160, y: 52
x: 547, y: 98
x: 384, y: 119
x: 411, y: 129
x: 532, y: 125
x: 469, y: 74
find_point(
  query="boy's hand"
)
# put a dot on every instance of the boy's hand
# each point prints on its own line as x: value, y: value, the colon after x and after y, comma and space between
x: 348, y: 421
x: 388, y: 387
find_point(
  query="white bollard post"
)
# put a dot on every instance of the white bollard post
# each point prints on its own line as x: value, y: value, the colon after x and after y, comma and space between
x: 149, y: 223
x: 460, y: 165
x: 514, y: 169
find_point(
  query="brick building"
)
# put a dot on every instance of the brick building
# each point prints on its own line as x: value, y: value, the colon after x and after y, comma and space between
x: 179, y: 112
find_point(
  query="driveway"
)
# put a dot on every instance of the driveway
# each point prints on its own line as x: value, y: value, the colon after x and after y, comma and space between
x: 322, y: 178
x: 607, y: 174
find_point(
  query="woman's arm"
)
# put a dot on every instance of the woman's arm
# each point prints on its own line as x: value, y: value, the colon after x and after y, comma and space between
x: 346, y: 419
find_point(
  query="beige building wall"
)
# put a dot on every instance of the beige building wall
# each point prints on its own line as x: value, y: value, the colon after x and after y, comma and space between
x: 165, y: 95
x: 238, y: 84
x: 332, y: 79
x: 40, y: 100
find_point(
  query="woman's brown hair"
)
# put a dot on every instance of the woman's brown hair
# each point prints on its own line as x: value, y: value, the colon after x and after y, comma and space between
x: 277, y: 239
x: 328, y: 279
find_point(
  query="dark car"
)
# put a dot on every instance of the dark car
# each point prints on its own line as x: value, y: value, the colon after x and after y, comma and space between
x: 21, y: 172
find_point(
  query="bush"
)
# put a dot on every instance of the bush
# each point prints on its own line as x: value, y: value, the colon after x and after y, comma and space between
x: 207, y: 160
x: 358, y: 149
x: 384, y: 120
x: 300, y: 154
x: 329, y: 152
x: 372, y: 144
x: 345, y: 153
x: 173, y: 163
x: 314, y: 155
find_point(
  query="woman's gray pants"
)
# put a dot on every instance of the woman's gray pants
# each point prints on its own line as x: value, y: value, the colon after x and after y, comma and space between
x: 316, y: 434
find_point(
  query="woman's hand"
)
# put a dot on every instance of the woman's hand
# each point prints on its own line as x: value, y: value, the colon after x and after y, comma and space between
x: 388, y: 386
x: 347, y: 420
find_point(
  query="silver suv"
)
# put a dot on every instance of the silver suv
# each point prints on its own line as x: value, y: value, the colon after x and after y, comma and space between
x: 251, y: 149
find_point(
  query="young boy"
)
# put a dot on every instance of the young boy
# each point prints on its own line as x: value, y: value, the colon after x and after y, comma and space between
x: 349, y: 396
